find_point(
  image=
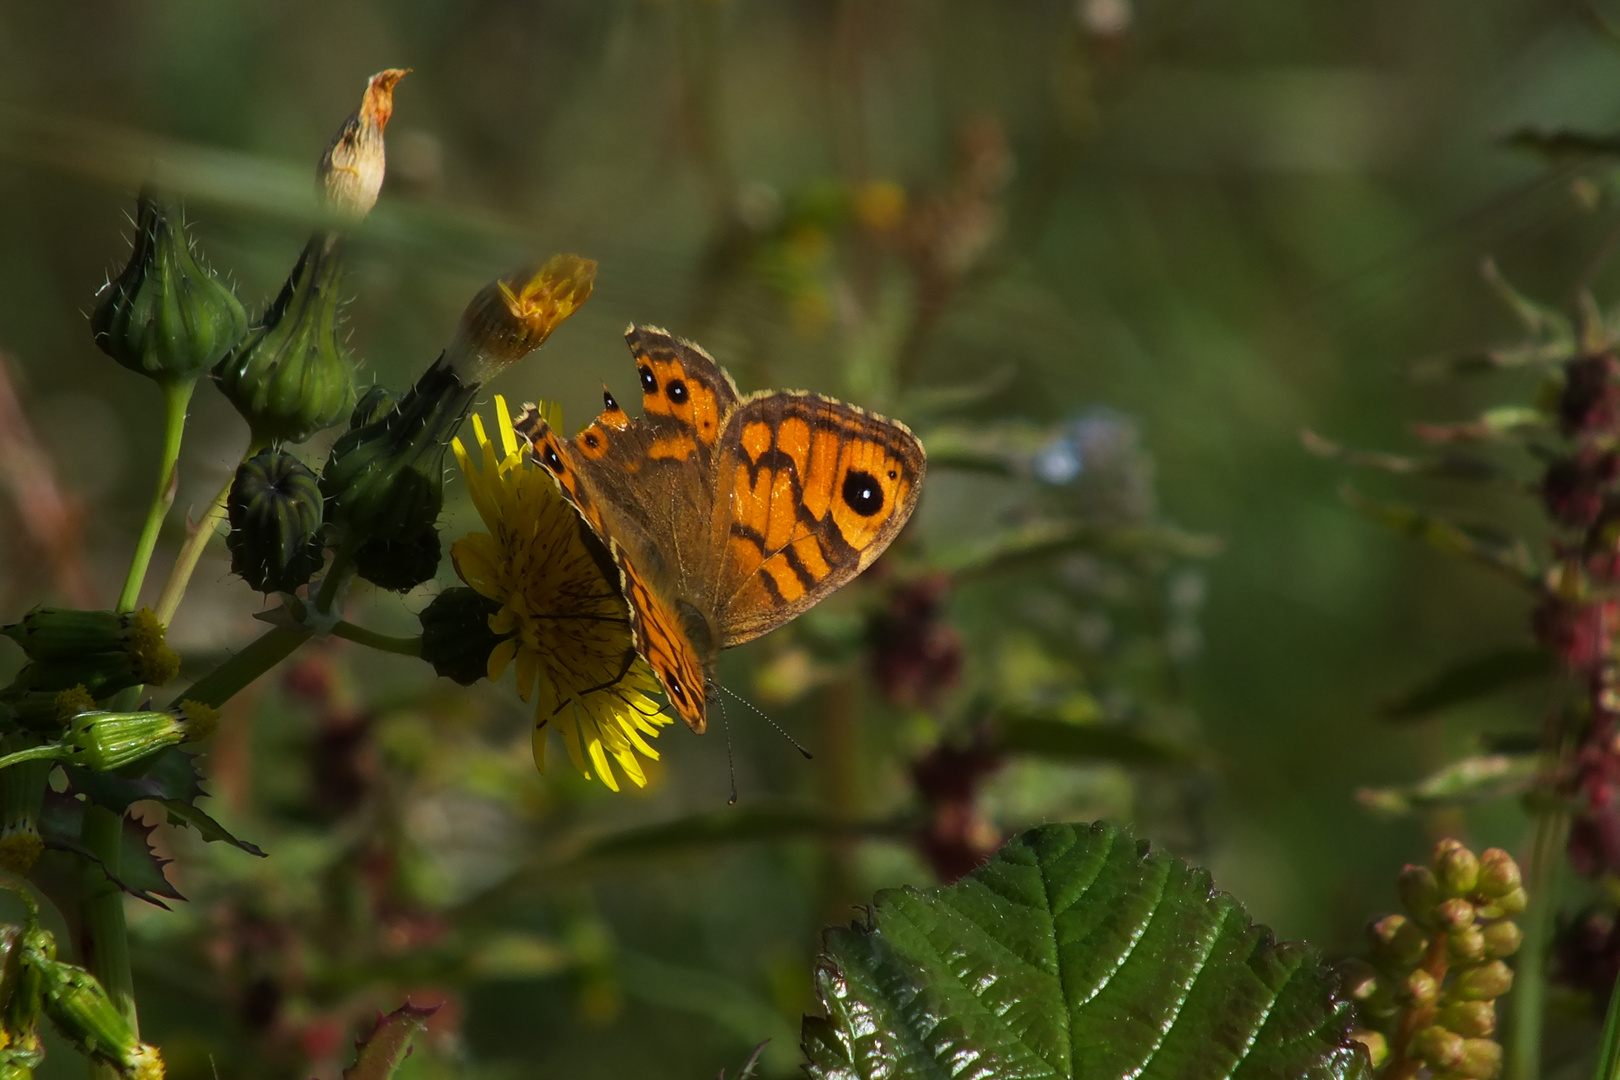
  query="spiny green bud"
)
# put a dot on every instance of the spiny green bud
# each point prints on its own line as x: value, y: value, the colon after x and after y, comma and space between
x: 89, y: 1020
x: 1456, y: 867
x: 1498, y: 873
x: 275, y: 514
x: 400, y: 565
x: 456, y: 638
x: 292, y: 376
x: 1466, y: 946
x: 166, y: 316
x: 1471, y: 1019
x: 1481, y: 1059
x: 22, y: 795
x: 1419, y: 891
x: 1482, y: 983
x: 1440, y: 1048
x: 1422, y: 989
x: 107, y: 740
x: 66, y: 634
x: 1455, y: 914
x: 1513, y: 902
x: 1396, y: 941
x: 1503, y: 939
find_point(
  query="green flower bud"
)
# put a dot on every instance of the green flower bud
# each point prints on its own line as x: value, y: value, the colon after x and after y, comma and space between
x: 292, y: 376
x: 1466, y: 946
x: 400, y: 565
x: 275, y: 514
x: 67, y: 634
x: 21, y: 994
x: 456, y: 638
x: 1377, y: 1046
x: 1482, y: 983
x: 89, y: 1020
x: 1503, y: 938
x: 1440, y: 1048
x: 100, y: 674
x: 1419, y: 891
x: 22, y: 795
x: 1481, y: 1059
x: 1358, y: 980
x: 106, y: 740
x: 1422, y: 989
x: 166, y: 316
x: 1396, y: 941
x: 1456, y: 867
x: 1513, y: 902
x: 1498, y: 873
x: 1471, y: 1019
x: 1455, y: 914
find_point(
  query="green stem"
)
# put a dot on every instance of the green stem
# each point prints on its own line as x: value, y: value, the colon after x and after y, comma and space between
x: 174, y: 590
x: 1609, y: 1049
x: 106, y: 936
x: 1530, y: 971
x: 225, y: 681
x: 404, y: 646
x: 176, y: 396
x: 47, y: 752
x: 342, y: 559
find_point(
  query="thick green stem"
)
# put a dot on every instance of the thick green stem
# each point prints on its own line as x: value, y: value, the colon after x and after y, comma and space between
x: 106, y: 944
x: 47, y: 752
x: 174, y: 590
x: 225, y: 681
x: 404, y: 646
x: 176, y: 396
x: 1530, y: 969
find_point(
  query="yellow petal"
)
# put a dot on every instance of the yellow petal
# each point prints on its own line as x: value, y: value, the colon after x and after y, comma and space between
x: 500, y: 656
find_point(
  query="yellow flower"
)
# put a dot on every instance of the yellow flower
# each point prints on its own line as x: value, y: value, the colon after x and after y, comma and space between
x: 562, y: 617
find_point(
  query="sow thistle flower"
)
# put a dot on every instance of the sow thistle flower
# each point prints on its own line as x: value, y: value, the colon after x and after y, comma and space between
x: 561, y: 620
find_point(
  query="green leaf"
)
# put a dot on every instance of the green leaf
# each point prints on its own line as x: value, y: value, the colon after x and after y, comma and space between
x: 379, y: 1054
x: 1064, y: 740
x: 169, y: 774
x: 1474, y: 779
x: 1074, y: 953
x: 1504, y: 553
x: 139, y: 871
x: 185, y: 813
x: 1470, y: 679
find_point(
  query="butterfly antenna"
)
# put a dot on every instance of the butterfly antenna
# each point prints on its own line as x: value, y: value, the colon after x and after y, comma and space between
x: 808, y: 756
x: 731, y: 762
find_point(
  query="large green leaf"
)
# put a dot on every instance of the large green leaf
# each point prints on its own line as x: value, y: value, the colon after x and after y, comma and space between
x: 1074, y: 953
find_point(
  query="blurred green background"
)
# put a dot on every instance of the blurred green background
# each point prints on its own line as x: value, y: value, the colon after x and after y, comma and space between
x: 1228, y: 222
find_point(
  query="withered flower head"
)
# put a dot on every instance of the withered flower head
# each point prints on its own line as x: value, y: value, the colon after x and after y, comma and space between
x: 350, y: 173
x: 511, y: 316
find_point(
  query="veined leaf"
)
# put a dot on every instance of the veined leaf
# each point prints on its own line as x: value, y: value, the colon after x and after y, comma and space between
x: 1470, y: 679
x: 1507, y: 554
x: 185, y: 813
x: 139, y: 871
x: 1074, y: 953
x: 1475, y: 779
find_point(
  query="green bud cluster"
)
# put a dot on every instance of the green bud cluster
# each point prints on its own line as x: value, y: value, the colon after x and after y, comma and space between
x: 101, y: 651
x: 33, y: 980
x: 456, y: 638
x: 166, y: 316
x: 275, y: 511
x: 22, y: 796
x: 1428, y: 996
x: 291, y: 375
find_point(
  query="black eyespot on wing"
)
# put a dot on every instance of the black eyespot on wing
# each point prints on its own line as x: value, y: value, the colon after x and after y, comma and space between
x: 591, y: 440
x: 893, y: 475
x: 607, y: 400
x: 862, y: 493
x: 676, y: 390
x: 553, y: 460
x: 676, y: 688
x: 649, y: 381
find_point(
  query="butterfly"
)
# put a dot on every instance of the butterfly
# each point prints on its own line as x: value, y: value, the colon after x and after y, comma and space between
x: 725, y: 515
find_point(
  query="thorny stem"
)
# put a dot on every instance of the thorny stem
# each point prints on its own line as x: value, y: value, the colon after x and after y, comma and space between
x: 174, y: 590
x: 176, y: 396
x: 404, y: 646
